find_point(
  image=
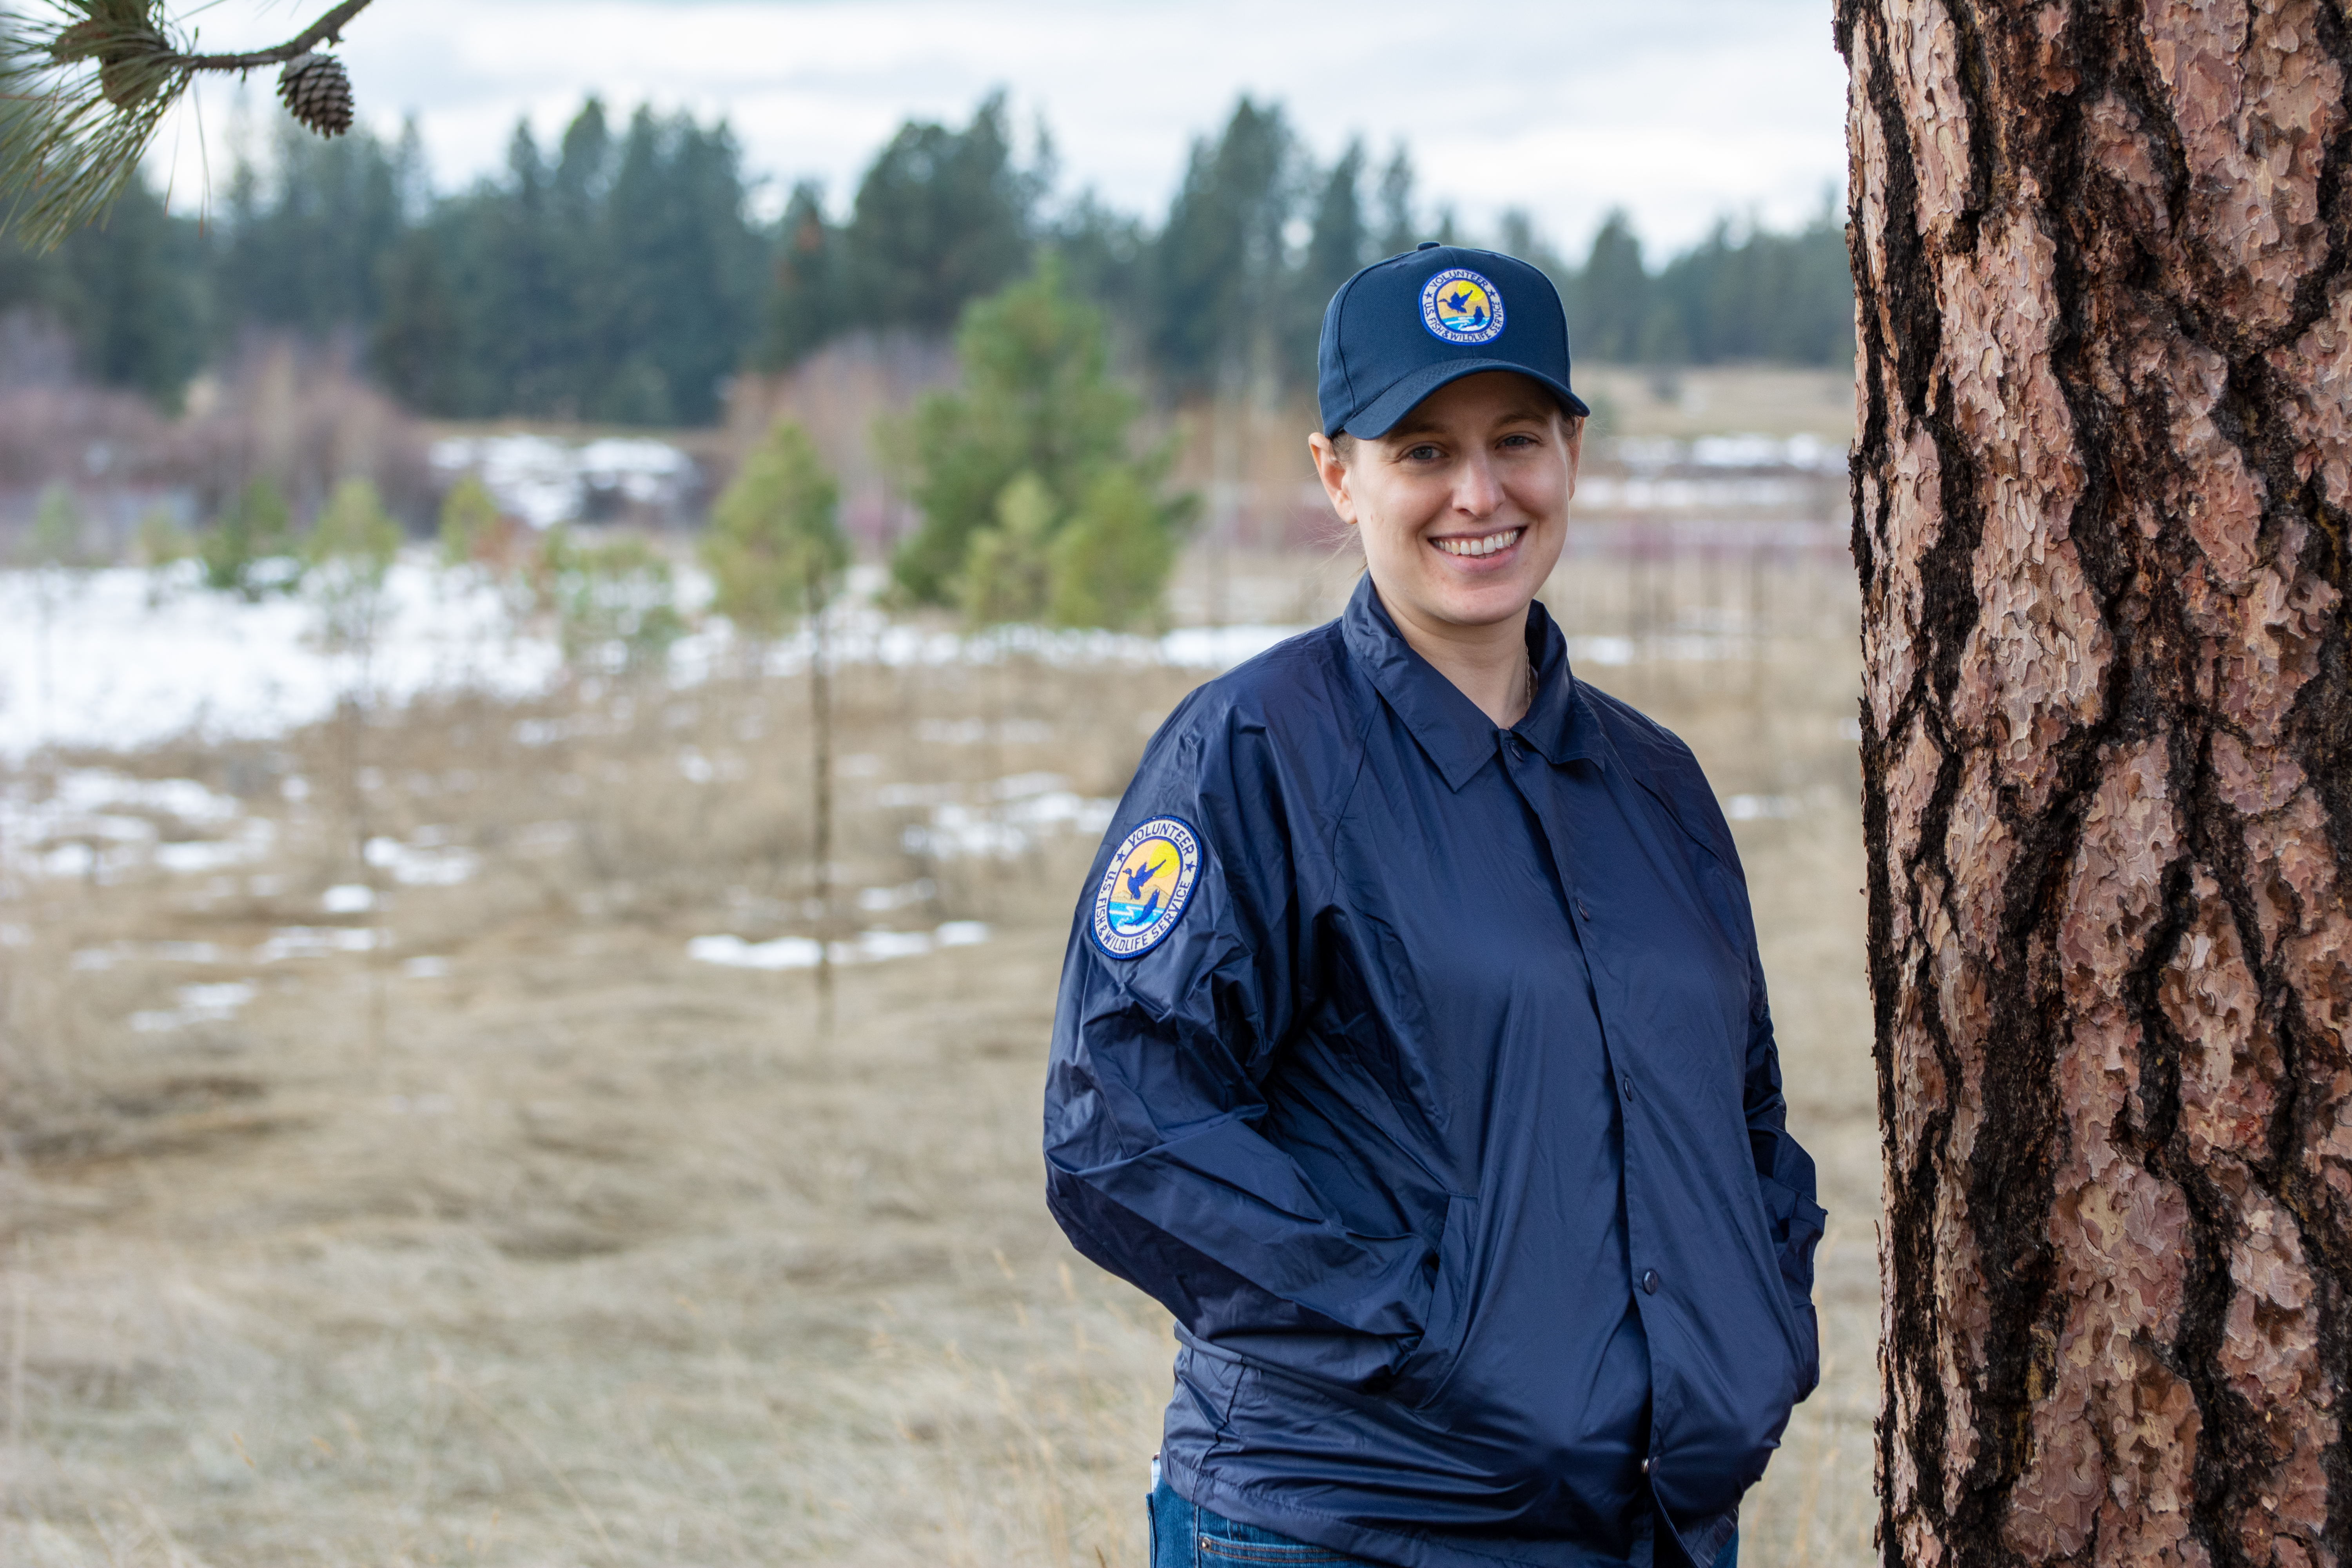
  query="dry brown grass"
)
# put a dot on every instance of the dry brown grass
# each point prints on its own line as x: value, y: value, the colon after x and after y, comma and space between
x: 580, y: 1252
x: 1704, y: 400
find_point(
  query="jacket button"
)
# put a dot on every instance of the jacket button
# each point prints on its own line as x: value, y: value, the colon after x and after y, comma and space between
x: 1649, y: 1281
x: 1645, y: 1466
x: 1584, y: 909
x: 1628, y: 1082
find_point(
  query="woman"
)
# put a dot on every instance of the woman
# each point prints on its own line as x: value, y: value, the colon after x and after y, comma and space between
x: 1412, y: 1047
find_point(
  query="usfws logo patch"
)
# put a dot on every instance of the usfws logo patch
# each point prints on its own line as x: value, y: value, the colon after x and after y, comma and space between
x: 1462, y: 307
x: 1144, y: 892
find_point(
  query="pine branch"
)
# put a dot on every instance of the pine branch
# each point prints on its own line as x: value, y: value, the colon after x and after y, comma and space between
x: 327, y: 29
x: 82, y: 96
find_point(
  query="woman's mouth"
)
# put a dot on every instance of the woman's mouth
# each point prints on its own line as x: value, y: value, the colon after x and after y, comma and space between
x: 1484, y: 544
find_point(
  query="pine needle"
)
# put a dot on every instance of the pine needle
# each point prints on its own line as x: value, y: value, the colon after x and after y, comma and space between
x: 82, y: 93
x: 84, y: 87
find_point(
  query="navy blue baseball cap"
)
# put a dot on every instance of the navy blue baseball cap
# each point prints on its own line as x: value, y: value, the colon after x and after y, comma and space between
x: 1402, y: 328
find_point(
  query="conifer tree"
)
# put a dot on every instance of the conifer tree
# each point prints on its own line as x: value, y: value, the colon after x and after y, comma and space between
x: 1109, y: 563
x: 469, y: 520
x: 614, y: 601
x: 1036, y: 399
x: 1007, y: 570
x: 803, y: 297
x: 55, y: 554
x: 1612, y: 293
x: 303, y: 248
x: 350, y: 553
x: 1219, y: 268
x: 681, y: 293
x: 941, y: 218
x: 348, y: 558
x: 775, y: 552
x: 249, y: 550
x: 1338, y: 242
x: 1400, y: 229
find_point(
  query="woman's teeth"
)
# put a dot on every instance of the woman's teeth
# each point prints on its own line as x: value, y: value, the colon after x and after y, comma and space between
x: 1486, y: 546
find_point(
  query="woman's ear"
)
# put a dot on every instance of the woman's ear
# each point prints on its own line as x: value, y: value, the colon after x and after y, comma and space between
x: 1334, y: 475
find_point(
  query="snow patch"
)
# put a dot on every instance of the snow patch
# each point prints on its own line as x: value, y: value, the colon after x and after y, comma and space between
x: 197, y: 1005
x: 801, y: 951
x: 1761, y: 807
x: 85, y: 826
x: 127, y: 658
x: 319, y: 942
x: 545, y: 481
x: 118, y: 667
x: 422, y: 864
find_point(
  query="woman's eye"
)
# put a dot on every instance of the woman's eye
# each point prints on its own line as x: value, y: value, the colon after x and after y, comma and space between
x: 1520, y: 439
x: 1422, y: 454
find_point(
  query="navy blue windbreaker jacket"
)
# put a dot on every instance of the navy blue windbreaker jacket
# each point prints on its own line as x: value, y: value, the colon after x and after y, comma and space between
x: 1445, y: 1118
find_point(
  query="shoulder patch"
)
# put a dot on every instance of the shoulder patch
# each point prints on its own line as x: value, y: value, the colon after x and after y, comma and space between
x: 1146, y: 889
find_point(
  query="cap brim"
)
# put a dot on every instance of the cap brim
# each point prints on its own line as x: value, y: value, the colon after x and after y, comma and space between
x: 1380, y: 416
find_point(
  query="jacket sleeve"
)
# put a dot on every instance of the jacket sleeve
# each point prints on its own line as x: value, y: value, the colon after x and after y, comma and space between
x: 1784, y: 1171
x: 1155, y: 1165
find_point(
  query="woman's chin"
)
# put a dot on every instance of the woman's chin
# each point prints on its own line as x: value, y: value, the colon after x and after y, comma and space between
x: 1480, y: 603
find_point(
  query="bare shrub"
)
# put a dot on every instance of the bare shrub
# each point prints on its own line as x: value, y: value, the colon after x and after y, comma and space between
x: 301, y: 417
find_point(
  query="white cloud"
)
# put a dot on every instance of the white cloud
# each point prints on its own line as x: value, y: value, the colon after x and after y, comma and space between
x: 1679, y: 110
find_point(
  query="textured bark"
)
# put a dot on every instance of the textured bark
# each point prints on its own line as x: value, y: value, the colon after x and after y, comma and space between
x: 2101, y: 491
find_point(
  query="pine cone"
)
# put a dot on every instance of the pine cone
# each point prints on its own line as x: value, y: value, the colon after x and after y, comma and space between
x: 317, y: 92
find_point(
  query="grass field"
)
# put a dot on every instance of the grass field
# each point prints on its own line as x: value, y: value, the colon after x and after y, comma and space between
x: 432, y: 1205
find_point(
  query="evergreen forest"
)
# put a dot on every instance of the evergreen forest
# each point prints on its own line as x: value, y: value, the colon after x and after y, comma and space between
x: 619, y: 275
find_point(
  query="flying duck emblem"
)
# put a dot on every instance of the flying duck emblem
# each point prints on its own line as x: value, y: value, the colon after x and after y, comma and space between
x: 1462, y: 307
x: 1146, y: 887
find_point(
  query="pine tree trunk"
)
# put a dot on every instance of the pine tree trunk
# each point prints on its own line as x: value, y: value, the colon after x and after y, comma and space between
x: 2100, y: 492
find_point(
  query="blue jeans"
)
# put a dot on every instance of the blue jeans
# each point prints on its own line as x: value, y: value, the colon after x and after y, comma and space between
x: 1186, y: 1536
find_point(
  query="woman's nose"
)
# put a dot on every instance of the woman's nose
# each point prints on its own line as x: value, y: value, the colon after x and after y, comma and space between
x: 1475, y: 489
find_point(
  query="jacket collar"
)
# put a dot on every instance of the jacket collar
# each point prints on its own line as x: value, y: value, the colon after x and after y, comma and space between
x: 1458, y: 737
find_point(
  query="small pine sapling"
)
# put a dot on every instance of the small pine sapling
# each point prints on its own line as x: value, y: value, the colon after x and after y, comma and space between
x: 56, y: 553
x: 1109, y: 563
x: 1007, y: 568
x: 350, y: 555
x: 164, y: 546
x: 776, y: 554
x: 1040, y: 423
x: 469, y: 523
x: 249, y: 550
x: 614, y: 602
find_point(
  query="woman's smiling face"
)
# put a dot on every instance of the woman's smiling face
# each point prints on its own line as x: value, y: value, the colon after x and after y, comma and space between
x: 1463, y: 505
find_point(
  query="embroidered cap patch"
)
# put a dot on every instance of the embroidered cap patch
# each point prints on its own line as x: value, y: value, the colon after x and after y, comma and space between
x: 1145, y: 890
x: 1462, y: 307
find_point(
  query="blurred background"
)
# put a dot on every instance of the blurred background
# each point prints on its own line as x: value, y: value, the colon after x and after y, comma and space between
x: 563, y: 654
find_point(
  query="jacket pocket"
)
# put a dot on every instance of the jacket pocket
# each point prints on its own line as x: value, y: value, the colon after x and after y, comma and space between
x: 1427, y: 1369
x: 1795, y: 1226
x: 1794, y: 1223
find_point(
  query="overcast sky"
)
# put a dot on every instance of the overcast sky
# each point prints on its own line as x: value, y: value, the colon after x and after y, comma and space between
x: 1678, y: 110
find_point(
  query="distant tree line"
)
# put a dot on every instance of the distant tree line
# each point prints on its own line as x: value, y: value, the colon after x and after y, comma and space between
x: 619, y: 275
